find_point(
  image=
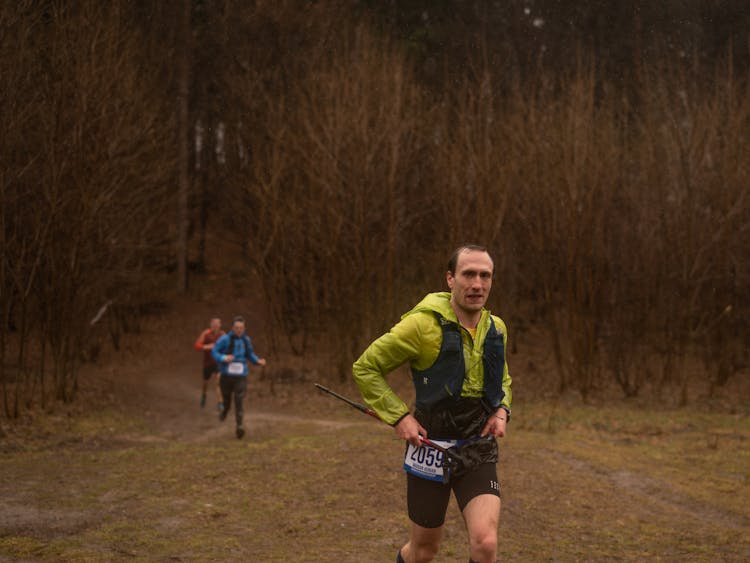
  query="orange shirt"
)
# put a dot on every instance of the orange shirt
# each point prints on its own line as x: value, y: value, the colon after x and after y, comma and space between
x: 207, y: 337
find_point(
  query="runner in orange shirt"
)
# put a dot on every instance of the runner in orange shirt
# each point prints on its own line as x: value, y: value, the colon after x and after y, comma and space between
x: 205, y: 342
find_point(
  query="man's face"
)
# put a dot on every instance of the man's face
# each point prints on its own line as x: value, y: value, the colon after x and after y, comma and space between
x: 238, y: 328
x: 215, y: 325
x: 471, y: 283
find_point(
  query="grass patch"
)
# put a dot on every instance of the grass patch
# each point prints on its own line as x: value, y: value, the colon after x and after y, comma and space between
x: 612, y: 483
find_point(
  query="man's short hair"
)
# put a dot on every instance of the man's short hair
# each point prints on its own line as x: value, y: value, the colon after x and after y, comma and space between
x: 453, y: 260
x: 238, y: 319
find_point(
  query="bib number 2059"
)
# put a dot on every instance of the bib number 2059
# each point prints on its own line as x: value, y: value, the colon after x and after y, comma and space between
x: 427, y: 456
x: 426, y: 462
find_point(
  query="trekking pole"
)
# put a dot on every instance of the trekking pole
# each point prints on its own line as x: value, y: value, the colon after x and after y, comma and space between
x: 372, y: 413
x: 349, y: 402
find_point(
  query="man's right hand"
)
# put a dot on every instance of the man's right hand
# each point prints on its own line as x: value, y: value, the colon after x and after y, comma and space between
x: 228, y: 358
x: 410, y: 430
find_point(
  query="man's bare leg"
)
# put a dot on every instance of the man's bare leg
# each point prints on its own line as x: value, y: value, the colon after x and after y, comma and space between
x: 481, y: 516
x: 423, y: 544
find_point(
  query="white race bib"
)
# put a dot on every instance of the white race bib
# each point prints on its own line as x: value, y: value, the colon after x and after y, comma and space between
x: 236, y: 368
x: 426, y: 462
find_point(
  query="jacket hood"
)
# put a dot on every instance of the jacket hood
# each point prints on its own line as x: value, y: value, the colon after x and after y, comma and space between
x: 440, y: 302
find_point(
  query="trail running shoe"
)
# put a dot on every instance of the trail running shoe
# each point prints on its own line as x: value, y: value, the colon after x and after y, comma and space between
x: 240, y: 432
x: 203, y: 401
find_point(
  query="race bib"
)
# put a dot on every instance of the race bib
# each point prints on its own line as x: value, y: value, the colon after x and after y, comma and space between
x: 236, y: 368
x: 426, y: 462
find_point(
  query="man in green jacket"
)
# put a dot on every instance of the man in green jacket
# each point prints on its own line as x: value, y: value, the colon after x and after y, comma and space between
x: 456, y: 351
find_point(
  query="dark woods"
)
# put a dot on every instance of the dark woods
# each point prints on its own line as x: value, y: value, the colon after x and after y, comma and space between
x: 599, y: 149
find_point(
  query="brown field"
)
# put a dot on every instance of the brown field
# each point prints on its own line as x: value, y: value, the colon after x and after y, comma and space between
x: 136, y: 471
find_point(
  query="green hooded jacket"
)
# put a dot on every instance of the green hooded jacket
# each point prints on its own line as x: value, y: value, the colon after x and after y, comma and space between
x: 416, y: 339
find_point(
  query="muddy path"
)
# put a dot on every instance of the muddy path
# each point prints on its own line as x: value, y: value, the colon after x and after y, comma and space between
x: 163, y: 385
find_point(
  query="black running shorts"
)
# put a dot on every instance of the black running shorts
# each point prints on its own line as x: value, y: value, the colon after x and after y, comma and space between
x: 428, y: 500
x: 208, y: 371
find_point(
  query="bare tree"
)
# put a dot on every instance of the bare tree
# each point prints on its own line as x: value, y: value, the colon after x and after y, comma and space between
x: 691, y: 136
x: 330, y: 194
x: 184, y: 136
x: 83, y: 224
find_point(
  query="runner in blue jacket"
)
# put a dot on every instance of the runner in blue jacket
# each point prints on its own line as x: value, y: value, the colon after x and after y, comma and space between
x: 232, y: 353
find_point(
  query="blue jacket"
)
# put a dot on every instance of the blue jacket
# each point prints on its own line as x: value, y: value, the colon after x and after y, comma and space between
x: 242, y: 350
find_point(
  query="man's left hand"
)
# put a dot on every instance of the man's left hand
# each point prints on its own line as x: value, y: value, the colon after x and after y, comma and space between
x: 496, y: 424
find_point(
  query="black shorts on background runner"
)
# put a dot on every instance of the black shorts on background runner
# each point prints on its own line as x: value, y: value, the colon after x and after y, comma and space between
x: 428, y: 500
x: 208, y: 371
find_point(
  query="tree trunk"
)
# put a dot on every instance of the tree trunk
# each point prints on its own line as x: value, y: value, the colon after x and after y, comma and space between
x: 183, y: 96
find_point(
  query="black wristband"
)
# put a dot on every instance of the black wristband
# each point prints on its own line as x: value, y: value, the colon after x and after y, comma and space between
x: 400, y: 418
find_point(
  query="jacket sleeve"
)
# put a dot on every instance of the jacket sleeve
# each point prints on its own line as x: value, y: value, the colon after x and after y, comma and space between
x: 398, y: 346
x: 218, y: 350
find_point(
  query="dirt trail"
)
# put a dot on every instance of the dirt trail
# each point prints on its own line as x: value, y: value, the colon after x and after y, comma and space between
x: 170, y: 402
x: 168, y: 395
x: 162, y: 382
x: 653, y: 495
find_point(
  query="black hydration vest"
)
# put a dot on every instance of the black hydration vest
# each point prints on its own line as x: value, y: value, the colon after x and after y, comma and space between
x: 443, y: 380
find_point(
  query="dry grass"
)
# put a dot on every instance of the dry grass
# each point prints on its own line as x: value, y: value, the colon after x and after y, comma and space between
x: 137, y: 471
x: 596, y: 484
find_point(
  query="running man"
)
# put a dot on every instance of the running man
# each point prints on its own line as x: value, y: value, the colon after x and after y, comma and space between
x: 205, y: 342
x: 232, y: 352
x: 456, y: 350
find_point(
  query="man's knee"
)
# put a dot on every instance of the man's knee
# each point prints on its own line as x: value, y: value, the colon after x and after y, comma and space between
x: 484, y: 545
x: 423, y: 544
